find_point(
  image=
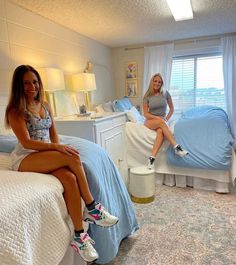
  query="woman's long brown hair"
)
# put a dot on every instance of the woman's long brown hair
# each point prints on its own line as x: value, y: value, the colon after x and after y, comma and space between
x: 17, y: 101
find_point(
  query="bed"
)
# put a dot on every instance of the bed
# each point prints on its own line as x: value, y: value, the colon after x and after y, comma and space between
x: 35, y: 227
x: 205, y: 132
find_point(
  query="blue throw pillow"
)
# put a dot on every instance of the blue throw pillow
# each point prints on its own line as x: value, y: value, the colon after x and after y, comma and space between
x: 7, y: 143
x: 122, y: 104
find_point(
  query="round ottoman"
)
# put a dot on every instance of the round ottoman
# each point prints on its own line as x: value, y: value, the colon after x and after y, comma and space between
x: 142, y: 184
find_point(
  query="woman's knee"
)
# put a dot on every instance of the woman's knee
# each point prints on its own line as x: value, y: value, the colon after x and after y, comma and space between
x: 159, y: 131
x: 66, y: 177
x: 71, y: 159
x: 75, y: 160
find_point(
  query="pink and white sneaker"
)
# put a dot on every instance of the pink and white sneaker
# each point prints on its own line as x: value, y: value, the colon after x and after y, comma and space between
x: 83, y: 246
x: 100, y: 216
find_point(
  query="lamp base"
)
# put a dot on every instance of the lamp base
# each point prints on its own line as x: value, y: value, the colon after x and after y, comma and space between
x: 87, y: 100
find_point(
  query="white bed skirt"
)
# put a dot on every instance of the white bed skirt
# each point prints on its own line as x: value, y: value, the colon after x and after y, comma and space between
x: 194, y: 182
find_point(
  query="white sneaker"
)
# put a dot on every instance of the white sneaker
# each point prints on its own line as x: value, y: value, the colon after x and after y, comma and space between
x: 83, y: 246
x: 151, y: 161
x: 99, y: 216
x: 179, y: 151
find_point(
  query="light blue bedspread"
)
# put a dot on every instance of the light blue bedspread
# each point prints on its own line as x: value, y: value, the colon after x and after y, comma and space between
x: 107, y: 187
x: 205, y: 132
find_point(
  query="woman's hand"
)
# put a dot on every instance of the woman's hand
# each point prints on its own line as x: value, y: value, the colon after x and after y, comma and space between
x: 66, y: 149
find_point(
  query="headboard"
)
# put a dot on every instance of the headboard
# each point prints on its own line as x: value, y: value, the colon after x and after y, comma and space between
x: 3, y: 104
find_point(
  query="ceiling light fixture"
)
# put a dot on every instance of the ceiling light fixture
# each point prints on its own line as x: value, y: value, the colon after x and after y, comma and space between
x: 181, y: 10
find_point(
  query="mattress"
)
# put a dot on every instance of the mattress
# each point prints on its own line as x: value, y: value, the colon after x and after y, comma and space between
x: 35, y: 227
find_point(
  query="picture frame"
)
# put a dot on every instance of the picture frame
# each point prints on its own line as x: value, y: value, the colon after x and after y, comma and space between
x: 131, y: 79
x: 131, y: 70
x: 131, y: 88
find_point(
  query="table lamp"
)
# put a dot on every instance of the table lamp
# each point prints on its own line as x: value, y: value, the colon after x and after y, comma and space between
x: 84, y: 82
x: 53, y: 80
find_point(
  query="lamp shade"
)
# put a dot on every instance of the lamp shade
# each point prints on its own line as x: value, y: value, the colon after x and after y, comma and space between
x: 83, y: 82
x: 52, y: 78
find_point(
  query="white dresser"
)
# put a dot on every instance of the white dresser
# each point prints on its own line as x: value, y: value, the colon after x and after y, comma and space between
x: 107, y: 131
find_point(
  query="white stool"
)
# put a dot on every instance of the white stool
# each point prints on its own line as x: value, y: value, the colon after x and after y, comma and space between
x: 142, y: 184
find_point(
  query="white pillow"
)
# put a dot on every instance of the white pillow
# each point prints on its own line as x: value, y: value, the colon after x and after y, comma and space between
x: 108, y: 106
x: 99, y: 109
x: 134, y: 116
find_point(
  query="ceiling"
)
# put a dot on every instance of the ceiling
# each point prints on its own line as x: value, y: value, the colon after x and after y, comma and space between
x: 117, y: 23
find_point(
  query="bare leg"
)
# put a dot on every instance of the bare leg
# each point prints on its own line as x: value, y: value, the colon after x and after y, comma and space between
x: 158, y: 142
x: 71, y: 195
x: 154, y: 124
x: 49, y: 161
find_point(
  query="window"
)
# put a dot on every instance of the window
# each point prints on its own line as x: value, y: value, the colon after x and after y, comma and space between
x: 197, y: 80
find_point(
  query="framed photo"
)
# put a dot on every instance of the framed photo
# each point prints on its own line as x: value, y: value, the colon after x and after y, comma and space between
x: 131, y: 70
x: 131, y: 88
x: 82, y: 109
x: 131, y: 79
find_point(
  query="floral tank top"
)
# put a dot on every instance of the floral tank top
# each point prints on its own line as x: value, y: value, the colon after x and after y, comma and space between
x: 39, y: 127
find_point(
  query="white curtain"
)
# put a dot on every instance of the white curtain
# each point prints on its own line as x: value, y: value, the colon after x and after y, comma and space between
x: 229, y: 69
x: 157, y: 59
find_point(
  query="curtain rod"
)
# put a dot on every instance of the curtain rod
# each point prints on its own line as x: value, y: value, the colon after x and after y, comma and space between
x: 198, y: 39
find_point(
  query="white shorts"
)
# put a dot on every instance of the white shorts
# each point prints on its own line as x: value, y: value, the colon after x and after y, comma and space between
x: 18, y: 154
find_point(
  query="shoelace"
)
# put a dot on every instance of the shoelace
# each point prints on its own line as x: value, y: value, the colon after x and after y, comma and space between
x: 87, y: 239
x: 104, y: 213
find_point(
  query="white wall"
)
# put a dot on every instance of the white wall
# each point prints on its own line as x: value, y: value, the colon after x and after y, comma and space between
x: 26, y: 38
x: 122, y: 55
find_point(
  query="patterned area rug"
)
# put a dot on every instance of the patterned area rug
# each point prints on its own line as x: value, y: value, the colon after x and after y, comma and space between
x: 183, y: 227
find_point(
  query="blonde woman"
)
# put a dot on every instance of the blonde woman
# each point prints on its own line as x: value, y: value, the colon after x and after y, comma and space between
x: 155, y: 102
x: 39, y: 150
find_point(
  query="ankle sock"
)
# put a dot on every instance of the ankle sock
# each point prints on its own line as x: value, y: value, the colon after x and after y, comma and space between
x: 152, y: 158
x: 78, y: 232
x: 91, y: 205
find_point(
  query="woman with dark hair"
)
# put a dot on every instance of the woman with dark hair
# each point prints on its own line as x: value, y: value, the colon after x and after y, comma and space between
x: 39, y: 150
x: 155, y: 102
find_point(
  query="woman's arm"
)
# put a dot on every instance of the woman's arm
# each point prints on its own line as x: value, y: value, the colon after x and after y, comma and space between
x: 171, y: 108
x: 18, y: 125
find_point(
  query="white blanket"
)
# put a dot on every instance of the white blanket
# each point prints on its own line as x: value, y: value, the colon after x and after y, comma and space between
x: 35, y: 228
x: 139, y: 142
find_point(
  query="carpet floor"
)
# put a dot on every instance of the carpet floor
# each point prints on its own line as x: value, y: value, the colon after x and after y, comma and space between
x: 183, y: 227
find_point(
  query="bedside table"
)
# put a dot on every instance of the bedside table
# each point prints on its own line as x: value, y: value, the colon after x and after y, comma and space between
x: 107, y: 131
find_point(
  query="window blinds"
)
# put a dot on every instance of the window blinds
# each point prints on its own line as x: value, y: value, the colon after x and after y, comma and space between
x: 197, y: 80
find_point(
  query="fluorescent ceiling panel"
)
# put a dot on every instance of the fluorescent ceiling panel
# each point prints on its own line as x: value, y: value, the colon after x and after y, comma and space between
x: 180, y: 9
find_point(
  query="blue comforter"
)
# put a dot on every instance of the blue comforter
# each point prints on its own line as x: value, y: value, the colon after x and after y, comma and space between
x: 205, y: 132
x: 107, y: 187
